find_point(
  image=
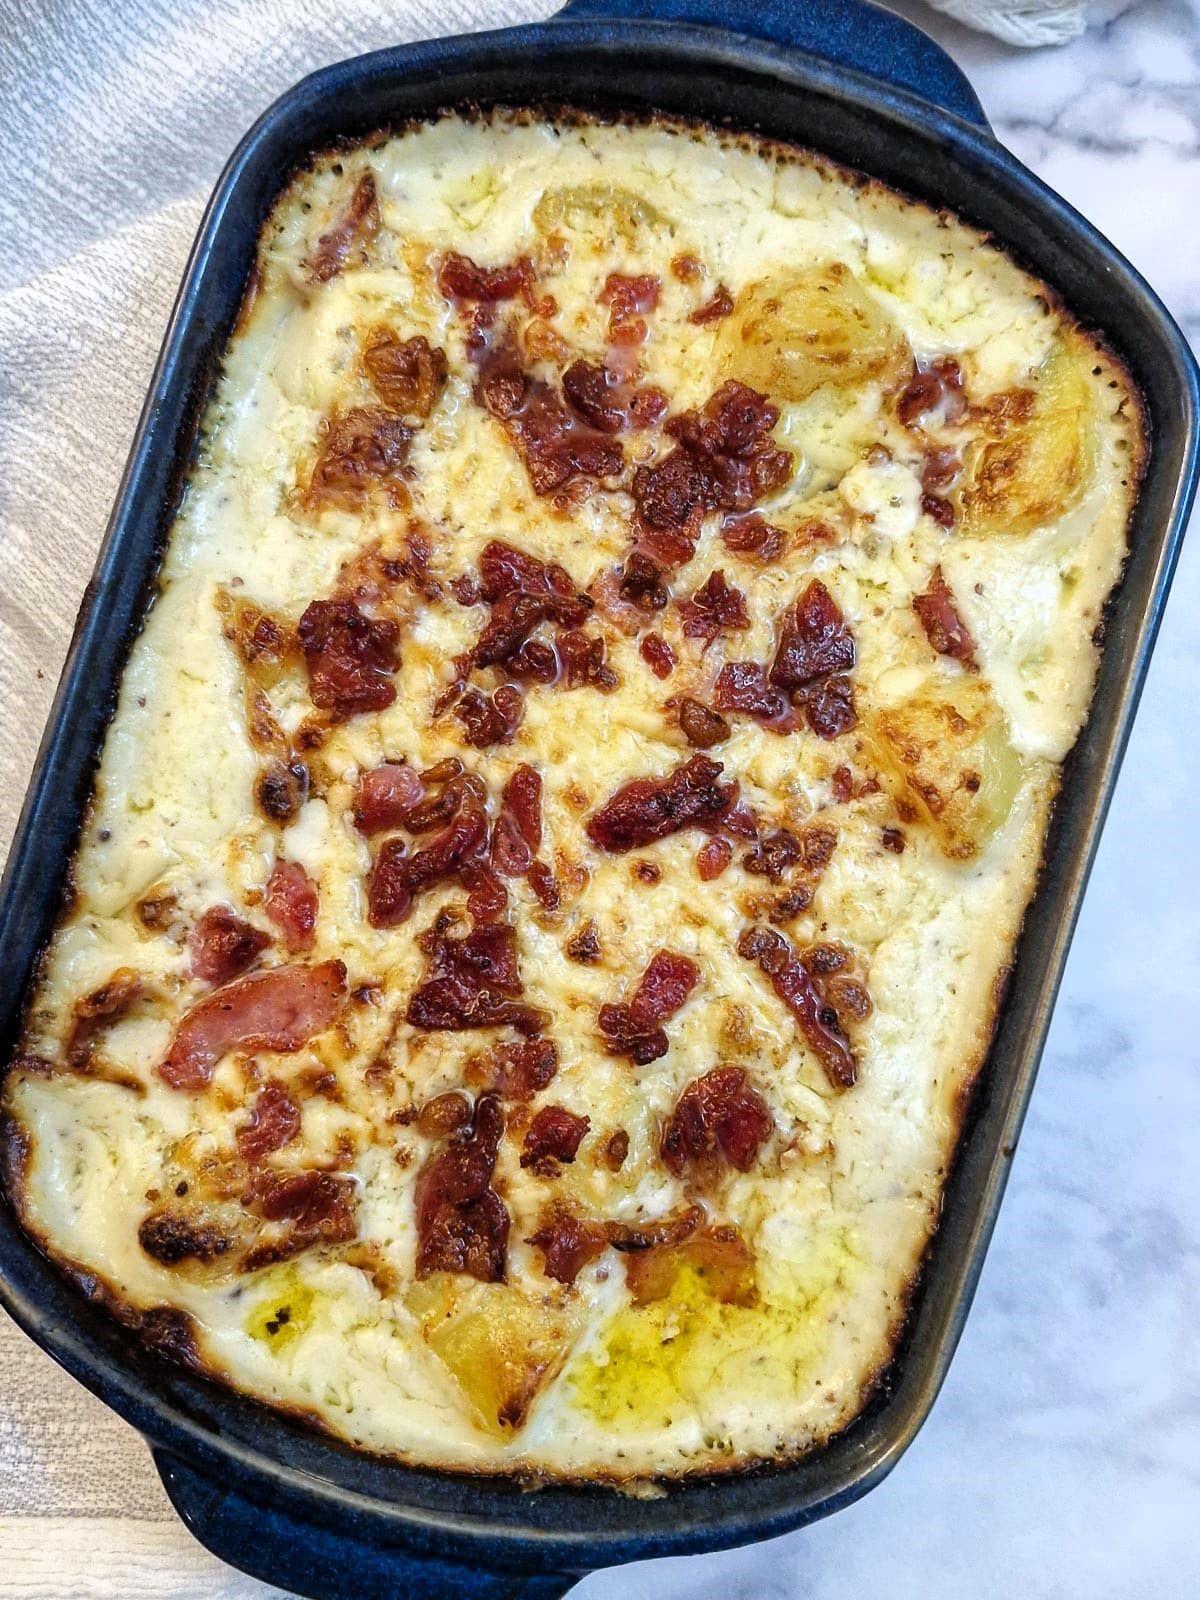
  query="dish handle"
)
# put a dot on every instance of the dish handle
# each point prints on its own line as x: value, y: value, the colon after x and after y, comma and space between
x: 850, y: 33
x: 311, y: 1560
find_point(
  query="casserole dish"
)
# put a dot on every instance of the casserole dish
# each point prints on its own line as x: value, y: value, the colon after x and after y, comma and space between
x: 574, y: 1528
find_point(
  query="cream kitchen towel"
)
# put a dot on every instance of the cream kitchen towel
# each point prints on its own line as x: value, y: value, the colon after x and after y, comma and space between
x: 1022, y: 22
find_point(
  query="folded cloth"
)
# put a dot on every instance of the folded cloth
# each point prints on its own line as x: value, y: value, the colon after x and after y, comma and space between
x: 1022, y: 22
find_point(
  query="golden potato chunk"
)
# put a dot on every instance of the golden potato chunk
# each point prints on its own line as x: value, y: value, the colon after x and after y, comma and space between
x: 1043, y: 458
x: 500, y: 1344
x: 605, y: 207
x: 794, y: 332
x: 948, y: 752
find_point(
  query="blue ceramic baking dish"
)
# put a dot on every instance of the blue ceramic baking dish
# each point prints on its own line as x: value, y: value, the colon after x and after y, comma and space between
x: 868, y: 89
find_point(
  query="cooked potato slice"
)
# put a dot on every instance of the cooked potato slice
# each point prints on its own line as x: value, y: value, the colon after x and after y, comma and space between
x: 1042, y: 461
x: 500, y: 1344
x: 796, y: 331
x: 604, y: 206
x: 947, y: 748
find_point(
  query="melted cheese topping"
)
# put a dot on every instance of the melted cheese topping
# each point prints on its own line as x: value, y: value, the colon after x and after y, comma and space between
x: 838, y: 286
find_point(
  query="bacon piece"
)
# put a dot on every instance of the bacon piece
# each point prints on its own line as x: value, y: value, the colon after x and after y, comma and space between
x: 280, y: 790
x: 554, y: 1135
x: 320, y: 1207
x: 701, y: 727
x: 642, y: 584
x: 616, y: 1150
x: 584, y: 947
x: 673, y: 495
x: 719, y: 1255
x: 715, y: 608
x: 397, y: 878
x: 719, y: 1118
x: 658, y: 655
x: 517, y: 831
x: 568, y: 1243
x: 583, y: 661
x: 386, y: 794
x: 462, y: 1223
x: 752, y: 536
x: 649, y: 1235
x: 459, y: 278
x: 634, y: 1028
x: 714, y: 309
x: 350, y: 658
x: 743, y: 686
x: 829, y: 708
x: 608, y: 402
x: 522, y: 592
x: 652, y: 808
x: 221, y: 945
x: 474, y: 982
x: 939, y: 617
x: 274, y: 1122
x: 444, y: 1114
x: 814, y: 641
x: 627, y: 297
x: 803, y: 991
x: 360, y: 449
x: 775, y: 855
x: 290, y: 902
x: 490, y: 718
x: 357, y: 225
x: 516, y: 1071
x: 488, y: 897
x: 712, y: 859
x: 409, y: 375
x: 938, y: 386
x: 280, y: 1009
x: 545, y: 886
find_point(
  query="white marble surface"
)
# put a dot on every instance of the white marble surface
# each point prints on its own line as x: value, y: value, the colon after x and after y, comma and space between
x: 1062, y: 1461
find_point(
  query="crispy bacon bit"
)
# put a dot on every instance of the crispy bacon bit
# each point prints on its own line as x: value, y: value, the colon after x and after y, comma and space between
x: 719, y: 1118
x: 652, y: 808
x: 385, y: 796
x: 940, y: 509
x: 534, y: 662
x: 893, y: 839
x: 398, y: 877
x: 687, y: 268
x: 616, y: 1150
x: 669, y: 1230
x: 462, y: 1223
x: 320, y: 1206
x: 584, y: 947
x: 488, y: 897
x: 583, y: 661
x: 274, y: 1122
x: 610, y: 403
x: 459, y: 278
x: 554, y: 1135
x: 713, y: 310
x: 290, y: 902
x: 939, y: 617
x: 641, y: 583
x: 522, y: 592
x: 221, y: 945
x: 172, y: 1236
x: 658, y: 655
x: 712, y: 859
x: 280, y: 1009
x: 715, y: 608
x: 719, y: 1255
x: 516, y: 1071
x: 358, y: 224
x: 360, y: 449
x: 473, y: 982
x: 814, y: 641
x: 775, y: 855
x: 350, y: 658
x: 444, y: 1114
x: 407, y: 376
x: 829, y: 708
x: 517, y: 832
x: 545, y: 886
x: 568, y: 1243
x: 634, y: 1027
x: 490, y: 718
x: 802, y: 987
x: 627, y: 299
x: 743, y: 686
x: 97, y: 1011
x: 701, y: 727
x: 752, y: 535
x: 938, y: 386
